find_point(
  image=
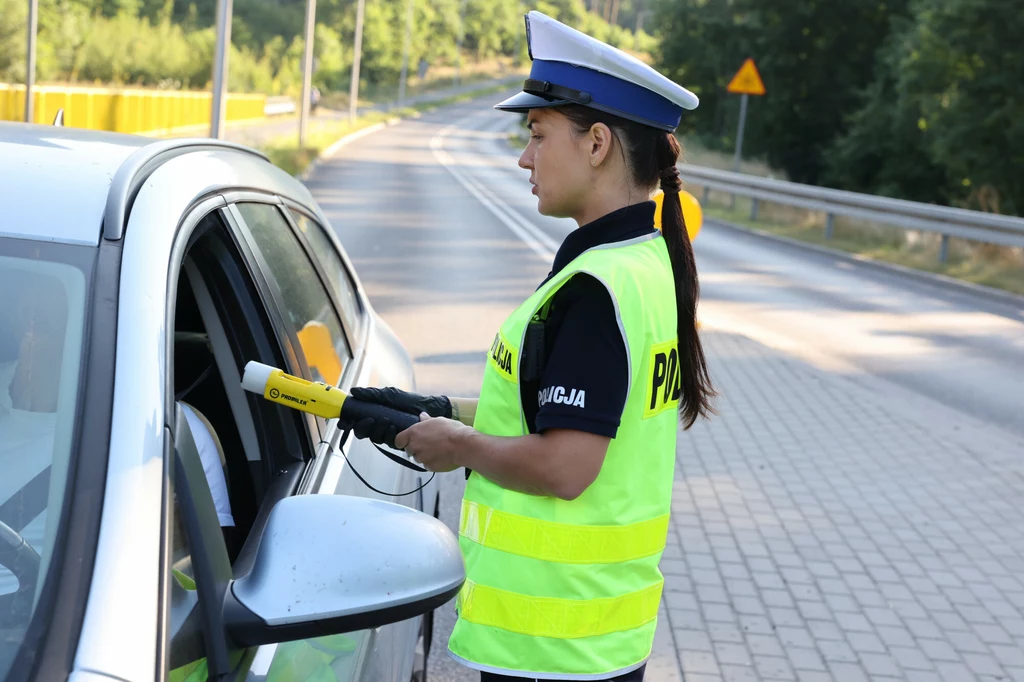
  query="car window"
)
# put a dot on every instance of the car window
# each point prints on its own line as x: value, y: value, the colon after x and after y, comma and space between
x: 340, y: 280
x: 42, y: 314
x: 304, y: 301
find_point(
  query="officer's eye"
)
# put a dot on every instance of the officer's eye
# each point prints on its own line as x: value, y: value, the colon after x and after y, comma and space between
x: 535, y: 136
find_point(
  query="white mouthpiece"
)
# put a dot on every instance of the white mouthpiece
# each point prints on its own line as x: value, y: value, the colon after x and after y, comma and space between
x: 256, y: 376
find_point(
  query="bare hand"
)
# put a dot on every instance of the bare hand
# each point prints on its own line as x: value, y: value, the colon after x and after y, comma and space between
x: 433, y: 442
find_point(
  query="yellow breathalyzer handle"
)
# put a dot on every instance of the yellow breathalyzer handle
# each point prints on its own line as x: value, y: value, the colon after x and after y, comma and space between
x: 316, y: 397
x: 273, y: 384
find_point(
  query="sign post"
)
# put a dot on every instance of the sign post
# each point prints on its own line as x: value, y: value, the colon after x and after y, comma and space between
x: 30, y: 58
x: 357, y: 53
x: 746, y: 82
x: 220, y: 67
x: 307, y: 71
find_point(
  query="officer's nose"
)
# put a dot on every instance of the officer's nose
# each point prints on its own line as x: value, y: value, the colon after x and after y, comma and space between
x: 526, y: 158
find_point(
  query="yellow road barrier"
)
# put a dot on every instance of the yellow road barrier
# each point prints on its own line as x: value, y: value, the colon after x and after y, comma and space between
x: 126, y: 110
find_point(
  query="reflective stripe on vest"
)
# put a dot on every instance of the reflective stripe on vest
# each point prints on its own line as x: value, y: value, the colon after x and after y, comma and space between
x: 561, y: 589
x: 561, y: 542
x: 559, y: 618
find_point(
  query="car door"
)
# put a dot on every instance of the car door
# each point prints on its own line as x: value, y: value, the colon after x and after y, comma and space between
x: 307, y: 303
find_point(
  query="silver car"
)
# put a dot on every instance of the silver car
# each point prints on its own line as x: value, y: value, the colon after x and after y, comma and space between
x: 157, y: 521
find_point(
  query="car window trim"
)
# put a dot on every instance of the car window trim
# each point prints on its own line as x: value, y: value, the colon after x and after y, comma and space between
x: 271, y: 296
x: 357, y: 345
x: 184, y: 237
x: 321, y: 273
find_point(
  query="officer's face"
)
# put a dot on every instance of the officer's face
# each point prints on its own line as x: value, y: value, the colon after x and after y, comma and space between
x: 560, y: 169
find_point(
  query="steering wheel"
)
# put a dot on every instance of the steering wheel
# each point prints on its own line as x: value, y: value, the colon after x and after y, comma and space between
x: 19, y: 558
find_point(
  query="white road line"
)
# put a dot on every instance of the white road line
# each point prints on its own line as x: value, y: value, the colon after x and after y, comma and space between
x: 535, y: 238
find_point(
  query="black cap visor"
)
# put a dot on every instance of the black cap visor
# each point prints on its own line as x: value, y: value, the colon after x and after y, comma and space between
x: 522, y: 102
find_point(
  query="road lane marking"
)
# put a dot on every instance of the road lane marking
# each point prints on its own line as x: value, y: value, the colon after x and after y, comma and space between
x: 539, y: 242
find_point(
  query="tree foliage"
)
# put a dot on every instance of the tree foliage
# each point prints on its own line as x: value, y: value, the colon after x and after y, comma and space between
x: 170, y: 43
x: 920, y: 99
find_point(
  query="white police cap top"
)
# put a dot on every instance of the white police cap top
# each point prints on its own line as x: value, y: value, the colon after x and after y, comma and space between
x: 570, y: 67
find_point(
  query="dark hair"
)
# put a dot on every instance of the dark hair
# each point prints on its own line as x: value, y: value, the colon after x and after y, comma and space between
x: 651, y: 156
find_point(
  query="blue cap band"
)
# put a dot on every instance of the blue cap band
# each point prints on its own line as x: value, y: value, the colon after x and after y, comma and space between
x: 611, y: 94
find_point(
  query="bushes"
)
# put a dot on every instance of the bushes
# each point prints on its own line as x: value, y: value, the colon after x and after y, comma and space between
x: 170, y: 43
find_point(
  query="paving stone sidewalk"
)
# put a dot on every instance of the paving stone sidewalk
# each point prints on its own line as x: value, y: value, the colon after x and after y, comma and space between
x: 835, y: 527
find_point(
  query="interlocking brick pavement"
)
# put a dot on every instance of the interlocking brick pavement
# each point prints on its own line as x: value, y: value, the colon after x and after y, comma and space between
x: 832, y: 526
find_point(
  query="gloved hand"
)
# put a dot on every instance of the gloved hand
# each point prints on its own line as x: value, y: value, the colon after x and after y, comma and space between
x: 411, y: 403
x: 382, y: 431
x: 379, y: 431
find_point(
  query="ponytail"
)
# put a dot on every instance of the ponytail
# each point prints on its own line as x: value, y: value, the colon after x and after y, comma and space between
x: 652, y: 156
x: 697, y: 391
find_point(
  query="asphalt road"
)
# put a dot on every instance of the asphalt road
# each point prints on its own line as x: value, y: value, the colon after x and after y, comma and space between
x: 444, y: 232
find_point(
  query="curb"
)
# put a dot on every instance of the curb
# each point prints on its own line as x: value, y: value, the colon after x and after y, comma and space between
x: 347, y: 139
x: 352, y: 137
x: 933, y: 278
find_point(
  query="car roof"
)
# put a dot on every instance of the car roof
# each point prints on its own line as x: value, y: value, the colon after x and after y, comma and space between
x: 73, y: 185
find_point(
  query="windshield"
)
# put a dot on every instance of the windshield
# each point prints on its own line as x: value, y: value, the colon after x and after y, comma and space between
x: 42, y: 310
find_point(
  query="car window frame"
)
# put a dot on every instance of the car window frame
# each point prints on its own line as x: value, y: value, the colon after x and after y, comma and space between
x: 270, y: 299
x: 353, y: 367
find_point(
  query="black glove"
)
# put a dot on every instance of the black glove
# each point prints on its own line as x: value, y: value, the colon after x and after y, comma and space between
x: 411, y: 403
x: 379, y: 431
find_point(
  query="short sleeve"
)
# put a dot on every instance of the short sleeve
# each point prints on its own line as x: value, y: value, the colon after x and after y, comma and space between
x: 586, y: 376
x: 210, y: 457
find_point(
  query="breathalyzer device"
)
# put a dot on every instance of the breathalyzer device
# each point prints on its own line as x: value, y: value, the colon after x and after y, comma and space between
x: 316, y: 397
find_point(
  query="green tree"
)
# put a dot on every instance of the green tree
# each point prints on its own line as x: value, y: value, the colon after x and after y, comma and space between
x: 815, y: 59
x: 13, y: 15
x: 951, y: 102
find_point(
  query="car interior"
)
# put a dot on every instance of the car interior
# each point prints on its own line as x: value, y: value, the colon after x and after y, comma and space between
x: 219, y: 325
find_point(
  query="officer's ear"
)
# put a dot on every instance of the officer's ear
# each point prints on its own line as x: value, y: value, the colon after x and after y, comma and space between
x: 599, y: 141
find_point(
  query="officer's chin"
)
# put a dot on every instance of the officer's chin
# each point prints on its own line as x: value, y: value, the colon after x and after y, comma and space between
x: 551, y: 209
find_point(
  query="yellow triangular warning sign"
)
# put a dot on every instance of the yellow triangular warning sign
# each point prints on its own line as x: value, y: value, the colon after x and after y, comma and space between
x: 747, y: 80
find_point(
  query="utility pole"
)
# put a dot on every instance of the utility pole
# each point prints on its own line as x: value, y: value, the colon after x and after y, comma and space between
x: 519, y: 36
x: 353, y: 91
x: 640, y: 16
x: 458, y: 43
x: 307, y: 71
x: 405, y: 53
x: 220, y: 67
x: 30, y: 58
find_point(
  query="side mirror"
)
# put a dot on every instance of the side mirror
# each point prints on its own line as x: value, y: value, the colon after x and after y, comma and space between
x: 331, y: 564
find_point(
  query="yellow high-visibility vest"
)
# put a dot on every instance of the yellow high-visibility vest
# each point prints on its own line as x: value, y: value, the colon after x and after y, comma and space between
x: 570, y: 589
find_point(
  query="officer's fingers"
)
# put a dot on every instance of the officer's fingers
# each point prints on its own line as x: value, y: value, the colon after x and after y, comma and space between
x: 402, y: 439
x: 425, y: 417
x: 366, y: 394
x: 364, y: 428
x: 389, y: 436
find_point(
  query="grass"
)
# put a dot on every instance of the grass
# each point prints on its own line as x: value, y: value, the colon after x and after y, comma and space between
x: 284, y: 151
x: 696, y: 154
x: 987, y: 264
x: 991, y: 265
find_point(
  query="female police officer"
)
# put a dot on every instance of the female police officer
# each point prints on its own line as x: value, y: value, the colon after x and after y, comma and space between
x: 572, y: 443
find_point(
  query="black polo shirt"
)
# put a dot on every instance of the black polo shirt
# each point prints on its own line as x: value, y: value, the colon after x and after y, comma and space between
x: 586, y: 376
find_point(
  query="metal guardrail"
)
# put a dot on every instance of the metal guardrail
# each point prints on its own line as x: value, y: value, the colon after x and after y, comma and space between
x: 277, y: 106
x: 949, y: 222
